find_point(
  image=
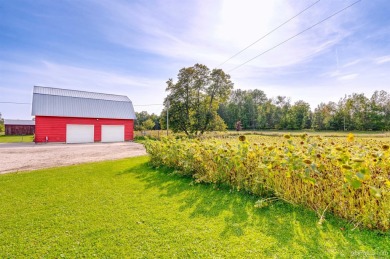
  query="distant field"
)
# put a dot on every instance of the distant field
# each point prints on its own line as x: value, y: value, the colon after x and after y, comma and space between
x: 322, y: 133
x: 363, y: 134
x: 163, y: 133
x: 16, y: 139
x: 384, y: 136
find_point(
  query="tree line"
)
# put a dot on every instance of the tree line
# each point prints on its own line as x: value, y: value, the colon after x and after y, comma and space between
x: 202, y: 100
x: 353, y: 112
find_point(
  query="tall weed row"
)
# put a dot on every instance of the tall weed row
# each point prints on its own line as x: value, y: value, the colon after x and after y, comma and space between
x: 351, y: 178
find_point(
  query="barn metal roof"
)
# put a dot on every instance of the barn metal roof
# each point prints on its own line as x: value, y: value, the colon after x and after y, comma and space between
x: 18, y: 122
x: 49, y: 101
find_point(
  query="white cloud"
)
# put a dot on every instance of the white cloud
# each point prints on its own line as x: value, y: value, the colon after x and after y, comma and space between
x: 382, y: 60
x: 347, y: 77
x: 352, y: 63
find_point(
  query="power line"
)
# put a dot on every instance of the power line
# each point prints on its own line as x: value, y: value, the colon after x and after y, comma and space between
x: 269, y: 33
x: 15, y: 103
x: 327, y: 18
x: 133, y: 105
x: 148, y: 104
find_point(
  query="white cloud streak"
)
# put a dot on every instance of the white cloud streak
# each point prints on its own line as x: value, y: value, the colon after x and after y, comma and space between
x: 382, y: 60
x: 348, y: 77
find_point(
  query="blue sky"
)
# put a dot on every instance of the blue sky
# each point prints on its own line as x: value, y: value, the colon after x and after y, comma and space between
x: 134, y: 47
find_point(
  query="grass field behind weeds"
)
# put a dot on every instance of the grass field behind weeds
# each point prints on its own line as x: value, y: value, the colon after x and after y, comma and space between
x: 383, y: 135
x: 125, y: 208
x: 16, y: 139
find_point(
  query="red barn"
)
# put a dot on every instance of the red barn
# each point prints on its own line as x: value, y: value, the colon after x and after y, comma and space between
x: 72, y: 116
x: 19, y: 127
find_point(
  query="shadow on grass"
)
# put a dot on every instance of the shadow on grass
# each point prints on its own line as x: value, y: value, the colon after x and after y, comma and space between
x: 292, y: 226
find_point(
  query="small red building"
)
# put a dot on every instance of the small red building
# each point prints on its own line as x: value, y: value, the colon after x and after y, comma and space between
x: 72, y: 116
x: 19, y: 127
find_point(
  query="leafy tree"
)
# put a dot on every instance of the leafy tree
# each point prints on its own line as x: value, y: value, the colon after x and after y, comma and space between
x: 299, y: 116
x: 266, y: 117
x: 148, y: 124
x: 379, y: 113
x: 323, y: 116
x: 243, y: 105
x: 156, y: 120
x: 142, y: 117
x: 218, y: 124
x: 358, y: 107
x: 281, y: 117
x: 233, y: 110
x: 194, y: 99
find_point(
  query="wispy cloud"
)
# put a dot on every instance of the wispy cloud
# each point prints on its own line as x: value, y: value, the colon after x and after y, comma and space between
x: 210, y: 33
x: 382, y: 60
x: 347, y: 77
x: 352, y: 63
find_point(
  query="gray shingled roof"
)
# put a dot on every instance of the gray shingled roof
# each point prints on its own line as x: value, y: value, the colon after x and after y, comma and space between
x: 49, y: 101
x: 18, y: 122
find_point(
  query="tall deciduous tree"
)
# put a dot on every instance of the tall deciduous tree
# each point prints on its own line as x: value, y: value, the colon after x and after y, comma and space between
x: 195, y: 98
x: 323, y: 116
x: 299, y: 116
x: 243, y: 105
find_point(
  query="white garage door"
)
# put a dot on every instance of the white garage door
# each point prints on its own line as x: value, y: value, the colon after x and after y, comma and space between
x: 79, y: 133
x: 113, y: 133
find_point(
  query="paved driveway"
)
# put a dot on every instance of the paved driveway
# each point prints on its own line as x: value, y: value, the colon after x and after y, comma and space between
x: 29, y: 156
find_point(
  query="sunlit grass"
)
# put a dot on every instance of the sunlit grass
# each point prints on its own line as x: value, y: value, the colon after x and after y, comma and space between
x: 15, y: 139
x: 125, y: 208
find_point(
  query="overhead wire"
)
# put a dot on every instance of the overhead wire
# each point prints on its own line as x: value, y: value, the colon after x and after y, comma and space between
x: 147, y: 104
x: 292, y: 37
x: 262, y: 37
x: 133, y: 104
x: 15, y: 103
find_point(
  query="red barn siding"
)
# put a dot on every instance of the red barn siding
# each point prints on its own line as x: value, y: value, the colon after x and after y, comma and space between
x: 55, y: 127
x: 19, y: 129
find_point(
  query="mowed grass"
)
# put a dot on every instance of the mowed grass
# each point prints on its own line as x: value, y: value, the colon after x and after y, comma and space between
x: 125, y: 208
x: 15, y: 139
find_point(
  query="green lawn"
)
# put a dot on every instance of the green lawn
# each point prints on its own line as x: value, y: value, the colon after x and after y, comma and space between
x: 15, y: 139
x: 125, y: 208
